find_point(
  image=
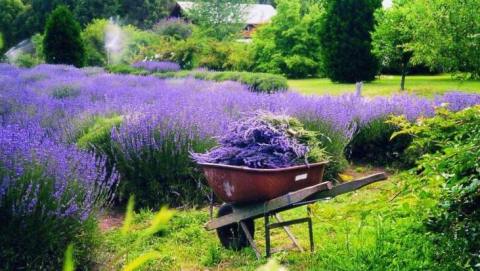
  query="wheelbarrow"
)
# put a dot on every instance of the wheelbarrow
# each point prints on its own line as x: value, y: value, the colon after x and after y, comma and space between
x: 249, y: 194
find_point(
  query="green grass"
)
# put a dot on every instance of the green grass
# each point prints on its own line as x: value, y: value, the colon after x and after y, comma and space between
x: 425, y: 85
x: 377, y: 228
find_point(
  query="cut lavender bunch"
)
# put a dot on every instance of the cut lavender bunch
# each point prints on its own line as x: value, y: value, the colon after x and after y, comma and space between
x: 265, y: 141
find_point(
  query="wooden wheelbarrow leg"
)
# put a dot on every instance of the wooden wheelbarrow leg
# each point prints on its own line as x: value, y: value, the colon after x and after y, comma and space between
x: 289, y: 233
x: 250, y: 239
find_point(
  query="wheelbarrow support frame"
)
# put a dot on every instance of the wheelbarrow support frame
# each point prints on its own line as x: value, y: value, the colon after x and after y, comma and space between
x: 272, y: 208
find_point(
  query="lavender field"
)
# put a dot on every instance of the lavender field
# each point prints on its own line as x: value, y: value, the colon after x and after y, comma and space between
x: 99, y: 137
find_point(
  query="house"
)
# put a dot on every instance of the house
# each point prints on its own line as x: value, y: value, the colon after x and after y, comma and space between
x: 254, y: 14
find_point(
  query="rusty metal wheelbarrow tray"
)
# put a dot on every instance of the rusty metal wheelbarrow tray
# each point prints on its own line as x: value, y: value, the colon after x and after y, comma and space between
x: 243, y: 185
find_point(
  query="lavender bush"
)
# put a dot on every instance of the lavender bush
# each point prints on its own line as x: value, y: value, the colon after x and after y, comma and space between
x: 157, y: 66
x: 162, y: 120
x: 265, y: 141
x: 49, y: 194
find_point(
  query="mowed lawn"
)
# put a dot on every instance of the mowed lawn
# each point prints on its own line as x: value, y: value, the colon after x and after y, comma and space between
x: 425, y: 85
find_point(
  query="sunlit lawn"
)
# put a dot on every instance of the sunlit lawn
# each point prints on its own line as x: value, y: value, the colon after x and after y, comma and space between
x: 424, y: 85
x: 357, y: 231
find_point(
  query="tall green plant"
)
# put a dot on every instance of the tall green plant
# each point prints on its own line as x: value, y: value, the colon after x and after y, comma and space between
x: 290, y: 44
x: 391, y: 36
x: 62, y: 43
x: 346, y: 40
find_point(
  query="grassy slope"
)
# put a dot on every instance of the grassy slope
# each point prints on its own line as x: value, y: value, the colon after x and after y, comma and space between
x: 377, y: 228
x: 387, y: 85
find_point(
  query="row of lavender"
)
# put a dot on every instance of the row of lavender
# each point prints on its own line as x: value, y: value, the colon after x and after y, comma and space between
x: 163, y: 119
x: 142, y: 130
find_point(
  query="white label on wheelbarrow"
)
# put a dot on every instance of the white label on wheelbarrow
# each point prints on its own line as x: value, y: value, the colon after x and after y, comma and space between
x: 301, y: 177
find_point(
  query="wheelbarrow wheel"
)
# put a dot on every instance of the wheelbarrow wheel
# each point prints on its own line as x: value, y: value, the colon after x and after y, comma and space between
x: 232, y: 236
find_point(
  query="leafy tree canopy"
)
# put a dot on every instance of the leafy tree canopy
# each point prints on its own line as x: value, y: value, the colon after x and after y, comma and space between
x: 219, y: 19
x: 446, y: 33
x: 290, y: 44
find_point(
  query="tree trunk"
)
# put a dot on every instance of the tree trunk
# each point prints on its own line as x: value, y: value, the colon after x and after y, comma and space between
x: 404, y: 74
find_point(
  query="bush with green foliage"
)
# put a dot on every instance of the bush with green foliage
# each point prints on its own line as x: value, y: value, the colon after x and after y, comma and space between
x: 220, y: 19
x: 63, y: 43
x: 449, y: 147
x: 9, y: 11
x: 258, y: 82
x: 372, y: 144
x: 132, y: 43
x: 173, y: 28
x: 290, y: 44
x: 346, y: 40
x: 125, y: 69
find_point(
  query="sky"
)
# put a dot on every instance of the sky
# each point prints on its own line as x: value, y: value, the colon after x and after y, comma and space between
x: 387, y: 3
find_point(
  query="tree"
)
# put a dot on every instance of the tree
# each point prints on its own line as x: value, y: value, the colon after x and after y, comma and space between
x: 9, y: 11
x: 392, y: 34
x: 144, y: 13
x: 346, y: 40
x: 63, y: 43
x: 290, y: 43
x: 447, y: 34
x: 219, y: 19
x: 87, y: 10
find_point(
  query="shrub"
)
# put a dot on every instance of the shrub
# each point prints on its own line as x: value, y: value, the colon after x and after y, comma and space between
x: 125, y: 69
x: 93, y: 37
x: 27, y: 61
x: 372, y: 143
x: 334, y: 143
x: 157, y: 66
x: 62, y: 42
x: 174, y: 28
x: 290, y: 44
x: 153, y: 159
x: 449, y: 145
x: 49, y: 196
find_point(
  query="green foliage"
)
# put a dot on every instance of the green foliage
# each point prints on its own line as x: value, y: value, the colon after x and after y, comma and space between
x: 36, y: 241
x: 131, y: 43
x: 449, y: 145
x: 220, y: 56
x: 9, y: 11
x: 290, y: 44
x: 87, y: 10
x: 97, y: 135
x: 446, y: 34
x: 125, y: 69
x: 346, y: 40
x: 391, y: 36
x: 144, y: 13
x: 174, y: 28
x: 220, y: 19
x: 334, y: 143
x: 62, y: 42
x: 94, y: 39
x: 27, y: 61
x: 258, y: 82
x: 372, y: 144
x: 158, y: 223
x: 163, y: 175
